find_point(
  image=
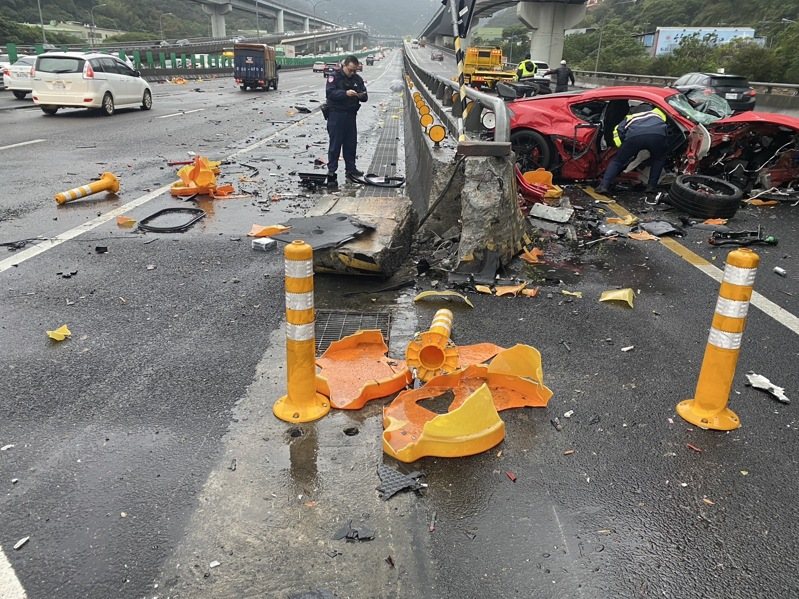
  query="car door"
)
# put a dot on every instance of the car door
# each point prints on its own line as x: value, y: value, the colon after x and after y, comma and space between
x: 110, y: 78
x: 132, y: 83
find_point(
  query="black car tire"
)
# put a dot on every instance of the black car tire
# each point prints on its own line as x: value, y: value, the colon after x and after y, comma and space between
x: 19, y: 95
x: 532, y: 150
x: 147, y: 100
x: 705, y: 197
x: 274, y: 83
x: 108, y: 104
x: 51, y: 110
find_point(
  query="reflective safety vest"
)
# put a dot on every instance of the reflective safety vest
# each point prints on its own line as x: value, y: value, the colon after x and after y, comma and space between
x: 641, y: 123
x: 526, y: 68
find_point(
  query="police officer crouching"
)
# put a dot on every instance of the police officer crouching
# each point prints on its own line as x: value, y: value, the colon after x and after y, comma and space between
x: 345, y: 91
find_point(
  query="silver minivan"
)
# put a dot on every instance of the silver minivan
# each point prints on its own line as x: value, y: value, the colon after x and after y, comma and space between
x: 87, y: 80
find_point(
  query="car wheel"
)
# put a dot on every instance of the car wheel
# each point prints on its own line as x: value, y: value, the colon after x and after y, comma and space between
x: 147, y: 100
x: 108, y: 104
x: 49, y: 109
x: 705, y: 197
x: 274, y: 83
x: 243, y: 88
x: 532, y: 150
x: 20, y: 95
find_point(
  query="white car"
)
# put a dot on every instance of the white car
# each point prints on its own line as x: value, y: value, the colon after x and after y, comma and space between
x: 319, y: 66
x: 17, y: 77
x: 5, y: 62
x: 87, y: 80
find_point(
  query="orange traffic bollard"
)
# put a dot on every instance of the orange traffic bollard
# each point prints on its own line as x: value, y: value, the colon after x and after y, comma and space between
x: 107, y: 182
x: 302, y: 403
x: 432, y: 353
x: 708, y: 409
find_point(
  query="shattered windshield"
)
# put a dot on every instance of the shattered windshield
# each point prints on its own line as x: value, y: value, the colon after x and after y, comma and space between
x: 700, y: 107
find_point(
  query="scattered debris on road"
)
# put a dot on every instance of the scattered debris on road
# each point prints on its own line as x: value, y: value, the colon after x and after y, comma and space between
x: 626, y: 295
x: 60, y: 333
x: 351, y: 534
x: 392, y: 482
x: 758, y: 381
x: 19, y: 544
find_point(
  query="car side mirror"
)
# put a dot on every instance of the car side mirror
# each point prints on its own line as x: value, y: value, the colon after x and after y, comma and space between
x: 137, y: 73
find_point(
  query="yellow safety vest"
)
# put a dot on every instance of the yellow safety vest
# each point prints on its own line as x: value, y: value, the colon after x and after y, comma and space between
x: 634, y: 117
x: 526, y: 72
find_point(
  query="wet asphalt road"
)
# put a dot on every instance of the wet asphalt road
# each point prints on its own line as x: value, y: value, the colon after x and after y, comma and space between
x: 144, y: 447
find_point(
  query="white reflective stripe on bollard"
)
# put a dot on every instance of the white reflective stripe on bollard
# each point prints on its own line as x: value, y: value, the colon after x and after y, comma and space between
x: 300, y: 332
x: 724, y: 340
x: 736, y: 275
x: 299, y: 301
x: 732, y: 308
x: 299, y: 269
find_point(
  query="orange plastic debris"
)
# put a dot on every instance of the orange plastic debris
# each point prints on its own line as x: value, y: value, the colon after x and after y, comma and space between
x: 514, y: 378
x: 477, y: 353
x: 471, y: 428
x: 530, y: 292
x: 267, y: 231
x: 715, y: 221
x: 513, y: 290
x: 357, y: 370
x: 533, y: 256
x: 642, y: 236
x: 223, y: 191
x: 125, y: 221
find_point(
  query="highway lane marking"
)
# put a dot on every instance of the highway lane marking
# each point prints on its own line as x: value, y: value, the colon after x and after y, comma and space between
x: 10, y: 586
x: 759, y: 301
x: 49, y: 244
x: 23, y: 255
x: 166, y: 116
x: 22, y: 143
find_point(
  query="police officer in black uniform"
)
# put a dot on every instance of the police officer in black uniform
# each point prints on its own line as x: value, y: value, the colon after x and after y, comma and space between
x: 345, y: 91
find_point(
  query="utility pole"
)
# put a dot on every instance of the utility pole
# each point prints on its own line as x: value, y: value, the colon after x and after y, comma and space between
x: 41, y: 21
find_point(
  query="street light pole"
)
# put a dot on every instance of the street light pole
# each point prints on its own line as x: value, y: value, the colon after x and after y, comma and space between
x: 41, y: 21
x: 601, y: 30
x: 161, y: 22
x: 257, y: 20
x: 94, y: 29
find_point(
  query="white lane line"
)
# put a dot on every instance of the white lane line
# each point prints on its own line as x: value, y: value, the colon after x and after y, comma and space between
x: 761, y: 302
x: 22, y: 143
x: 265, y: 140
x: 22, y: 256
x: 166, y: 116
x: 10, y: 587
x: 42, y: 247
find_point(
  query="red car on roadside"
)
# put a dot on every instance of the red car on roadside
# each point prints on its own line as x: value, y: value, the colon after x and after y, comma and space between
x: 571, y: 134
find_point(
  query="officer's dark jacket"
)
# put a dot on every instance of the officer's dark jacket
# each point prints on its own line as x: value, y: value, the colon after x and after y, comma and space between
x: 563, y: 75
x: 336, y: 92
x: 646, y: 122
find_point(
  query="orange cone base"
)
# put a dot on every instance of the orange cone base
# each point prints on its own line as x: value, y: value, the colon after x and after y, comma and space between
x: 722, y: 420
x: 290, y: 411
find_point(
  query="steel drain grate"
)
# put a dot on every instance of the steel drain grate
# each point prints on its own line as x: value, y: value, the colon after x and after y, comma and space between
x: 332, y: 325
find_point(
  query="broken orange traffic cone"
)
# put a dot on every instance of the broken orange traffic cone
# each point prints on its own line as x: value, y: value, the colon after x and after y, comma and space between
x: 432, y: 353
x: 107, y: 182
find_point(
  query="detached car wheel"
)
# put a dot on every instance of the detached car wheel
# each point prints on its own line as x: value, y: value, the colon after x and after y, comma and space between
x: 705, y: 197
x: 147, y: 100
x: 532, y: 150
x: 108, y: 105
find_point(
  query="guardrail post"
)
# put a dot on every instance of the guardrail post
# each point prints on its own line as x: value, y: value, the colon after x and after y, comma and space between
x: 137, y: 59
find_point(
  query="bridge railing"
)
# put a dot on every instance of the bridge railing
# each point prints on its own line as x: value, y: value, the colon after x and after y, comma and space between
x: 442, y: 95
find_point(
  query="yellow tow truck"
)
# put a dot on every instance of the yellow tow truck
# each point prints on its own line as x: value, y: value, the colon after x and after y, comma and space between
x: 482, y: 67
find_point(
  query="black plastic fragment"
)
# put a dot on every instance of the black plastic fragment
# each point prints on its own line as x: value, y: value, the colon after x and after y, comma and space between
x: 393, y: 481
x: 197, y: 214
x: 352, y: 534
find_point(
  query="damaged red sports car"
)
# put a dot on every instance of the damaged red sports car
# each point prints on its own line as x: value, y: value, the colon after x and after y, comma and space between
x: 572, y: 135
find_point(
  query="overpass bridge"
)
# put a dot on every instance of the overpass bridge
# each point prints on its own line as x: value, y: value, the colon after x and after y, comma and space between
x: 274, y: 13
x: 548, y: 21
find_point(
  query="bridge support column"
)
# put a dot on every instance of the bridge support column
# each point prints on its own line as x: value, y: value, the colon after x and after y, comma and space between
x: 307, y: 24
x: 549, y: 20
x: 281, y: 24
x: 352, y: 43
x: 217, y: 12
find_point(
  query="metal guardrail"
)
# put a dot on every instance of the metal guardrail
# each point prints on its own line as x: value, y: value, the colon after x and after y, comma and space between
x: 438, y: 92
x: 762, y: 87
